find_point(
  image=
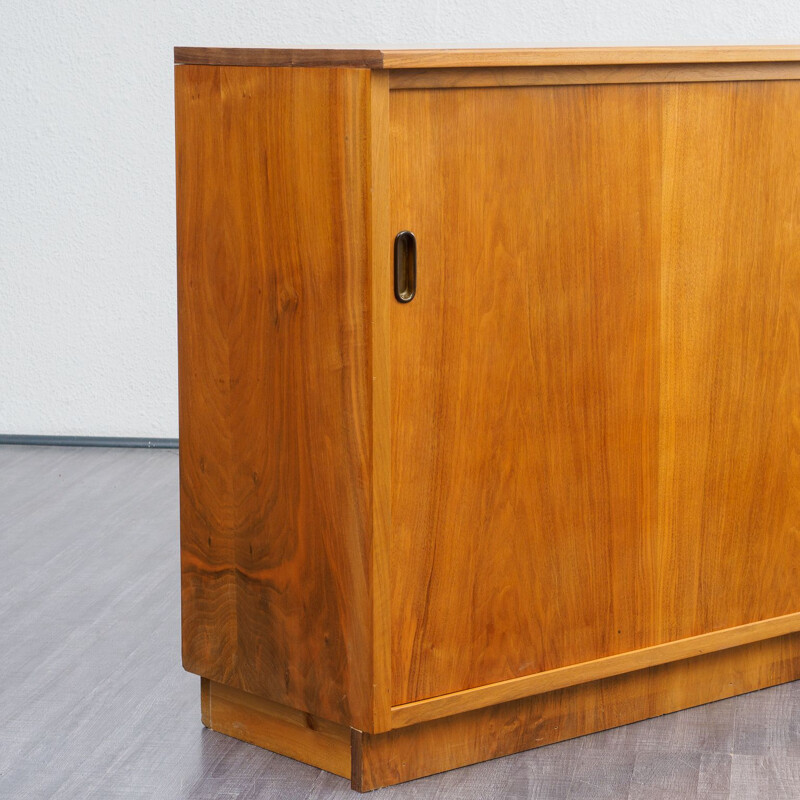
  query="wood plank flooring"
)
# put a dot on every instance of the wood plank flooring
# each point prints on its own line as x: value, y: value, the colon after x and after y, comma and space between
x: 94, y: 702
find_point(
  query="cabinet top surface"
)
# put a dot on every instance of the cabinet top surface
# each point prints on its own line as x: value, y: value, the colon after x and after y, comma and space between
x: 425, y: 59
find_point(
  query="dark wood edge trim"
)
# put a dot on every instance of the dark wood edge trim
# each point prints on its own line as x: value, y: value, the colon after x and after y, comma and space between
x: 356, y: 760
x: 257, y: 57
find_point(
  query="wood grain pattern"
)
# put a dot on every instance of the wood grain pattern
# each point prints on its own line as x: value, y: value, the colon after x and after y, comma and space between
x: 281, y: 729
x: 277, y: 57
x: 528, y: 685
x: 524, y: 381
x: 503, y: 57
x: 729, y: 477
x: 452, y: 77
x: 275, y: 392
x: 575, y: 454
x: 408, y: 753
x: 381, y: 300
x: 92, y: 601
x: 205, y: 702
x: 510, y: 57
x: 595, y: 391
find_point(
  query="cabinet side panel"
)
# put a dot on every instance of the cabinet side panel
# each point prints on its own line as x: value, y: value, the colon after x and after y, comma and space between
x: 274, y: 319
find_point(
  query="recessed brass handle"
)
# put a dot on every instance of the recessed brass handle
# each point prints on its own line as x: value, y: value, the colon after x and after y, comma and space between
x: 405, y: 266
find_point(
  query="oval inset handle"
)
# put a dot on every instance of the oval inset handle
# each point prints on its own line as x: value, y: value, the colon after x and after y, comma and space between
x: 405, y: 266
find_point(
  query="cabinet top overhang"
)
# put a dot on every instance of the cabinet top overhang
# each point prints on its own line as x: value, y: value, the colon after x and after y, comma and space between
x: 538, y: 57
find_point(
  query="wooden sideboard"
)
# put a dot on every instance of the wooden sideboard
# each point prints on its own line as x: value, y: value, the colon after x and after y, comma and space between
x: 556, y: 491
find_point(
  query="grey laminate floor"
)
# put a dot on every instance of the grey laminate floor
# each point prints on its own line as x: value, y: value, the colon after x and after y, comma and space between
x: 94, y: 703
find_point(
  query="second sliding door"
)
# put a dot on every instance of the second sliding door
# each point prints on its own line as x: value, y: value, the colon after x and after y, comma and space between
x: 596, y: 390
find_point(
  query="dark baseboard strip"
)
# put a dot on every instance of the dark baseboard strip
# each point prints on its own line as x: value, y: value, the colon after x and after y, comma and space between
x: 88, y: 441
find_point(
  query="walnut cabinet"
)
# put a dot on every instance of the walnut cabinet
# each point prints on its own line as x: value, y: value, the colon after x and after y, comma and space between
x: 531, y: 469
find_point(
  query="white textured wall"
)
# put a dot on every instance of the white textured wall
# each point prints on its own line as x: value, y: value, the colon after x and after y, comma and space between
x: 87, y: 249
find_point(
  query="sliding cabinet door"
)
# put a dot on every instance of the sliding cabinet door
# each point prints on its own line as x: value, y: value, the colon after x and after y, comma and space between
x: 595, y: 392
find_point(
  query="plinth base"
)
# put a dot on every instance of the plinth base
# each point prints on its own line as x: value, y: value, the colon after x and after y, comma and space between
x: 371, y: 761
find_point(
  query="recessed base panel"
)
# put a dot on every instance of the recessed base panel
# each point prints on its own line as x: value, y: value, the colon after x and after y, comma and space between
x: 375, y: 760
